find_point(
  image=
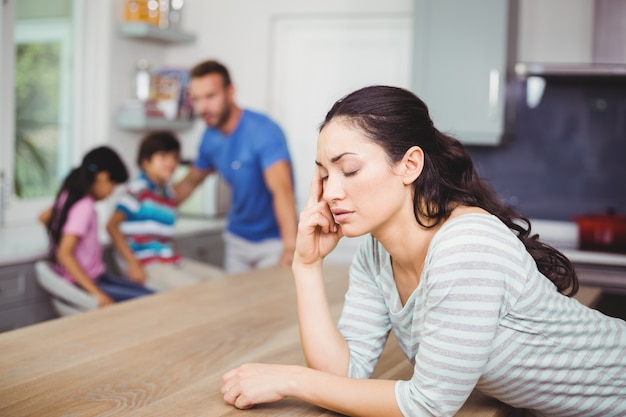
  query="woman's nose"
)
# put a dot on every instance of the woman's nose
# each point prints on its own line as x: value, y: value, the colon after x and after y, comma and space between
x: 333, y: 189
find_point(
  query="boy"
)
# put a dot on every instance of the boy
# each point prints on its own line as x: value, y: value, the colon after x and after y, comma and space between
x: 142, y: 226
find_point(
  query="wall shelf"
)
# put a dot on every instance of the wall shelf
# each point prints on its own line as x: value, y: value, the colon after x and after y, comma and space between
x: 134, y: 122
x: 145, y: 31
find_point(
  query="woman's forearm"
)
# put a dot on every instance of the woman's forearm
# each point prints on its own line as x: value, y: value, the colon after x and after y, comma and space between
x: 353, y: 397
x: 324, y: 347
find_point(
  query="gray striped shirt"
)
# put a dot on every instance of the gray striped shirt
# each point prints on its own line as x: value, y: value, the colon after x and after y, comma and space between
x: 483, y: 316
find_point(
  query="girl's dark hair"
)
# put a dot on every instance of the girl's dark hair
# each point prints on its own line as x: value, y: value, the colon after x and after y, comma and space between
x: 78, y: 183
x: 396, y: 120
x: 157, y: 141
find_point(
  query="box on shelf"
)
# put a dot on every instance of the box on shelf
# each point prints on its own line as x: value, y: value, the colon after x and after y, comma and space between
x: 170, y: 93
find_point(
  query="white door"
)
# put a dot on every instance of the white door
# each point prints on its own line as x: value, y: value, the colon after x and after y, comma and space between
x: 317, y: 61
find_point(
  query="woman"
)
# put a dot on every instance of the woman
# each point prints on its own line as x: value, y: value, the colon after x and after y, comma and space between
x: 474, y: 300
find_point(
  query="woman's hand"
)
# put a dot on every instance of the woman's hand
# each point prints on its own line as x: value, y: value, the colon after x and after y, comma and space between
x: 318, y: 233
x: 252, y: 384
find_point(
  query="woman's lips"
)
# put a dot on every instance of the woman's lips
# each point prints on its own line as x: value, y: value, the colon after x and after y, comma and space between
x: 341, y: 215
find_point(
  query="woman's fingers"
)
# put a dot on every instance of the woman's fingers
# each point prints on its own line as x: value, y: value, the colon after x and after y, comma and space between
x: 316, y: 190
x: 317, y: 215
x: 251, y: 384
x: 230, y: 394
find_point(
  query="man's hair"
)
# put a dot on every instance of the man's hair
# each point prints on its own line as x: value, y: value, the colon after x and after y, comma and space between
x: 157, y: 141
x: 211, y: 67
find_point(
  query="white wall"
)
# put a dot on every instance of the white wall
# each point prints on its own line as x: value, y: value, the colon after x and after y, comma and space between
x: 236, y: 32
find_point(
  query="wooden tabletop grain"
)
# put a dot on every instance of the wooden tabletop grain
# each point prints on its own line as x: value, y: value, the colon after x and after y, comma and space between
x: 164, y: 355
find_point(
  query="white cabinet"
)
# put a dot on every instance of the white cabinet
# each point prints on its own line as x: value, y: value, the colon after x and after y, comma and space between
x: 22, y: 301
x: 205, y: 247
x: 555, y: 31
x: 460, y: 66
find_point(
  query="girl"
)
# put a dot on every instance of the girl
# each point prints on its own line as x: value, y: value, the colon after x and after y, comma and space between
x: 474, y: 299
x: 72, y: 225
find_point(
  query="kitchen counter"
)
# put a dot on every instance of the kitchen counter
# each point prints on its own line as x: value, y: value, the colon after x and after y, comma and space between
x: 27, y: 243
x: 23, y: 302
x: 564, y: 236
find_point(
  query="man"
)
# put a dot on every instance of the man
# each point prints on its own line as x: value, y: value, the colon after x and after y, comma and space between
x: 250, y: 152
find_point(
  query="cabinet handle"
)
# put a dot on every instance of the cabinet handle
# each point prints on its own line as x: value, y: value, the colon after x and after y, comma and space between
x: 494, y: 92
x: 3, y: 197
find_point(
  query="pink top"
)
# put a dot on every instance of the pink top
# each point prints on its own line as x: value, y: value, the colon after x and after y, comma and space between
x: 82, y: 221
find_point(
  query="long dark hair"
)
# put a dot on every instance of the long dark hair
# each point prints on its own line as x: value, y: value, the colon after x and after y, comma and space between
x: 78, y: 184
x: 396, y: 120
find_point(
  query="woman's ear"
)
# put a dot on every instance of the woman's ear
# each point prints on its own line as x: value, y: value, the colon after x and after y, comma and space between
x: 412, y: 164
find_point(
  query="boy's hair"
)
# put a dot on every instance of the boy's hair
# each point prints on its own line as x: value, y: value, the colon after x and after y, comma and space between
x: 157, y: 141
x: 211, y: 67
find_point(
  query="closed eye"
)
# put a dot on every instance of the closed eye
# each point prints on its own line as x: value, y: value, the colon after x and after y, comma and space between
x: 349, y: 174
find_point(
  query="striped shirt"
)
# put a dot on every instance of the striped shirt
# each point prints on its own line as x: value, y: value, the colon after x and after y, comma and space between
x: 150, y: 212
x: 483, y: 316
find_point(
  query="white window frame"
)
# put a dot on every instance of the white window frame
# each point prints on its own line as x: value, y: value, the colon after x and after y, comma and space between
x: 92, y: 31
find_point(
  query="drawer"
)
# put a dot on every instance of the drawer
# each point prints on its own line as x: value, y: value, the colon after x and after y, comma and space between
x: 18, y: 283
x: 24, y: 315
x: 13, y: 284
x: 207, y: 248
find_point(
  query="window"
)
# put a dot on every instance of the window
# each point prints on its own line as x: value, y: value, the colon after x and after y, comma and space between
x: 42, y: 106
x: 36, y: 144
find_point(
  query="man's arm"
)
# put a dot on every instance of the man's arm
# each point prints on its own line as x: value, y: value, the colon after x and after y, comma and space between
x: 278, y: 180
x: 185, y: 187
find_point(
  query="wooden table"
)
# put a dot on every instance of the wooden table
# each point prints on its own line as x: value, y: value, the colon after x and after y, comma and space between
x: 164, y: 355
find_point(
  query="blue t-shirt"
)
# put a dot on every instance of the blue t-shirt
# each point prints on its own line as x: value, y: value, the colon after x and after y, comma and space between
x: 241, y: 158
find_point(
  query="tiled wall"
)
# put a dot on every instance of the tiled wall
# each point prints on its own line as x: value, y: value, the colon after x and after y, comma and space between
x: 567, y: 155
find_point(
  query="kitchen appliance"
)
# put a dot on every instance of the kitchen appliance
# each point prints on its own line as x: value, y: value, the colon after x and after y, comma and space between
x: 602, y: 232
x: 607, y: 55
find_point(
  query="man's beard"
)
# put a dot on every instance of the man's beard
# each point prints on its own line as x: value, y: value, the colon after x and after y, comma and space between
x: 223, y: 118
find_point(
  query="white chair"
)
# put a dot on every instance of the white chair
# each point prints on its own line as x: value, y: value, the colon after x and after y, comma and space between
x: 65, y: 297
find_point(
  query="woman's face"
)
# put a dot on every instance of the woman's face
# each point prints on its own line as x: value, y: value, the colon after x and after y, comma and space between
x: 362, y: 189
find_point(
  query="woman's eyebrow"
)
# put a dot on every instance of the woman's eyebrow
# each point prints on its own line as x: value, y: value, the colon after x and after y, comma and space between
x: 335, y: 158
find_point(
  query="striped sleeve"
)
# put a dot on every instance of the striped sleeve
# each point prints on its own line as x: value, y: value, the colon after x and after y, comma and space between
x: 128, y: 204
x: 466, y: 288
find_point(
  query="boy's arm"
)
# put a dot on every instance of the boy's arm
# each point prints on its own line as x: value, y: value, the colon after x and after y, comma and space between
x: 135, y: 272
x: 66, y: 258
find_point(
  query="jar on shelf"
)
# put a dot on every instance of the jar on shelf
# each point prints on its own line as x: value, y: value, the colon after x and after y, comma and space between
x: 142, y: 11
x: 170, y: 13
x: 143, y: 81
x: 175, y: 13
